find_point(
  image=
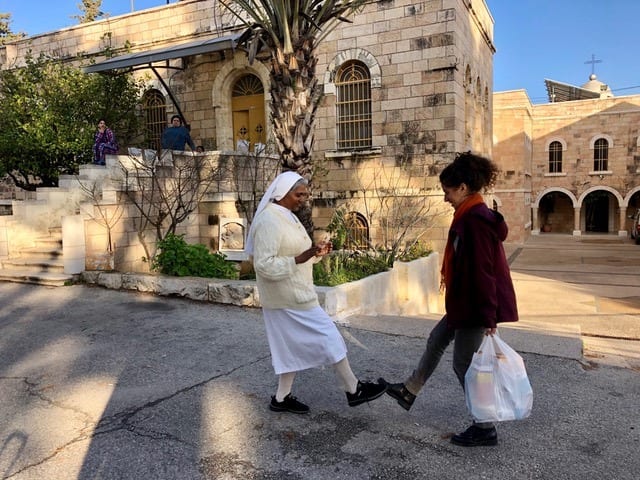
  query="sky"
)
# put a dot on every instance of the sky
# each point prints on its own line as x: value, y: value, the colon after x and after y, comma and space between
x: 534, y: 39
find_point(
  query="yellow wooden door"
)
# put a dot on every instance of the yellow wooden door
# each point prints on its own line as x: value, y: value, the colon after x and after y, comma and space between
x: 248, y: 120
x: 247, y: 105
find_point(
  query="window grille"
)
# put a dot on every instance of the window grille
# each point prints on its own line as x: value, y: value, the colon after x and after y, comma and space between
x: 247, y: 85
x: 353, y: 106
x: 155, y: 117
x: 357, y: 231
x: 555, y: 157
x: 601, y: 155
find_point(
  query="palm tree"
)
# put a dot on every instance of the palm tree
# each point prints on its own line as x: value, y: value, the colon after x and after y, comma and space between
x: 290, y: 32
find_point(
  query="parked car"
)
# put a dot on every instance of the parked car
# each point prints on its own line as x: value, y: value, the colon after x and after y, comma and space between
x: 635, y: 227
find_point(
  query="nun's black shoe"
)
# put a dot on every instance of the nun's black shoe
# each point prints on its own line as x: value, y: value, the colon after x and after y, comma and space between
x: 288, y: 404
x: 366, y: 392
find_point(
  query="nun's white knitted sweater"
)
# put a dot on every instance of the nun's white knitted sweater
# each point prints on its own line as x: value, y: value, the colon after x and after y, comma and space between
x: 278, y: 238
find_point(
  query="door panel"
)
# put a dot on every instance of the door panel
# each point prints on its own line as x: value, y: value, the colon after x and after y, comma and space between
x: 249, y: 119
x: 241, y: 128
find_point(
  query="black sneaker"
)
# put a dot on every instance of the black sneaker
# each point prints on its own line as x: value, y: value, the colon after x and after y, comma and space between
x: 366, y: 392
x: 475, y: 436
x: 288, y: 404
x: 398, y: 391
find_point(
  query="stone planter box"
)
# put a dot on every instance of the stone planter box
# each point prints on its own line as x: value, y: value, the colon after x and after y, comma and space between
x: 410, y: 288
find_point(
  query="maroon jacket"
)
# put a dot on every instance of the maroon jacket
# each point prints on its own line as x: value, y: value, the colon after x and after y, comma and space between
x: 481, y: 291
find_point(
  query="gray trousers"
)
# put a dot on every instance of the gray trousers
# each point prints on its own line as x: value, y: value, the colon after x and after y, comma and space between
x: 466, y: 342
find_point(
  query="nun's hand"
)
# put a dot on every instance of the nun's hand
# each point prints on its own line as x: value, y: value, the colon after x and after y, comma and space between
x: 324, y: 248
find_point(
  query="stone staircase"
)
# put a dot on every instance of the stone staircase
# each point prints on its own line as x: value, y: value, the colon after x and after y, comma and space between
x: 32, y: 249
x: 41, y: 264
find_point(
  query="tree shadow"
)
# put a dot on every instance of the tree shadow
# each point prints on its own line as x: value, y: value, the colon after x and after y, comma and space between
x: 115, y: 384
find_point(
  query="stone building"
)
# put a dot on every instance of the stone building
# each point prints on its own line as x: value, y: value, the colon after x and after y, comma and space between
x: 570, y: 166
x: 406, y: 86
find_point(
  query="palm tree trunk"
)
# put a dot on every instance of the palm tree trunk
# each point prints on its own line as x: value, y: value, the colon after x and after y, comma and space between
x: 295, y: 96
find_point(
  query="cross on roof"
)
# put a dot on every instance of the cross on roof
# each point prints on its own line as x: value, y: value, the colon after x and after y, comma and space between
x: 593, y: 62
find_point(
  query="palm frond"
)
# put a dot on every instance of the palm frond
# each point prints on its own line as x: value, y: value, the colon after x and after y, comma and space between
x: 286, y: 21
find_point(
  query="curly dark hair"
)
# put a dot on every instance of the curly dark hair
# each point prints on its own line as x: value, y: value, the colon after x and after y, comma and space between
x: 475, y: 171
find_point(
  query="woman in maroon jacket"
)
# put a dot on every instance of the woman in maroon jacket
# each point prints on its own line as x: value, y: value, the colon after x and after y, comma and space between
x: 479, y: 292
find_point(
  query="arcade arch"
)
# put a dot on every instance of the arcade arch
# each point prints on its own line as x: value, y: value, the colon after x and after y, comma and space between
x: 600, y: 209
x: 554, y: 211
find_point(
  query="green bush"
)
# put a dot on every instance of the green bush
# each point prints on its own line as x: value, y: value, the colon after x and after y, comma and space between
x: 180, y: 259
x: 341, y: 267
x: 338, y: 229
x: 415, y: 251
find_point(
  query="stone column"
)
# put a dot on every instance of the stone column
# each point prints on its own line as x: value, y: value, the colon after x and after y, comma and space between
x: 622, y: 231
x: 576, y: 222
x: 535, y: 227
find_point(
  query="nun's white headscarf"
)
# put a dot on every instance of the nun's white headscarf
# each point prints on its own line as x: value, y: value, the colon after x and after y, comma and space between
x: 276, y: 191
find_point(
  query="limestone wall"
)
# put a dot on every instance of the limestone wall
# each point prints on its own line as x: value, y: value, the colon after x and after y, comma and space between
x: 140, y: 30
x: 512, y: 150
x: 522, y: 135
x: 231, y: 181
x: 419, y: 56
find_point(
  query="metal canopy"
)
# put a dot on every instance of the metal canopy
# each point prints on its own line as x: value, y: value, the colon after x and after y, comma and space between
x: 563, y: 92
x: 175, y: 51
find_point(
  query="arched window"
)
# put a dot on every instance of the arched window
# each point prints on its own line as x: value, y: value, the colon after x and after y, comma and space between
x: 247, y: 85
x: 555, y: 157
x: 601, y: 155
x: 353, y: 106
x: 154, y: 109
x: 357, y: 230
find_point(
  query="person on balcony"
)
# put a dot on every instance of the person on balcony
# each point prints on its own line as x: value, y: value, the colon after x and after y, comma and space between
x: 177, y: 136
x: 104, y: 142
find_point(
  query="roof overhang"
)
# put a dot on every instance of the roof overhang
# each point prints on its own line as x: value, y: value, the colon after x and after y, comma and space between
x: 563, y: 92
x: 150, y: 57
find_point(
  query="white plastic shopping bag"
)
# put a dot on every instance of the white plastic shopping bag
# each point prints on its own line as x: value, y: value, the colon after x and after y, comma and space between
x: 496, y: 384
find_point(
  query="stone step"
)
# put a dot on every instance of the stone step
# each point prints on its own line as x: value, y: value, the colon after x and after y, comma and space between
x: 41, y: 264
x: 51, y: 251
x: 52, y: 279
x: 48, y: 243
x: 35, y: 264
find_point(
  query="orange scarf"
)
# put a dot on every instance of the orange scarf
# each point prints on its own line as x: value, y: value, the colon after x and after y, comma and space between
x: 447, y: 262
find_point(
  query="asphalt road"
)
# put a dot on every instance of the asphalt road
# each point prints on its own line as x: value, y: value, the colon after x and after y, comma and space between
x: 101, y: 384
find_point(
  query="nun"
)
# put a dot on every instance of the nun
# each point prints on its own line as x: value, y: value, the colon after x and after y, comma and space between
x: 300, y: 333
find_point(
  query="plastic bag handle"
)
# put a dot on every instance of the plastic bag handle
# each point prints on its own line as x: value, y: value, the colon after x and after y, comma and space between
x: 492, y: 347
x: 487, y: 347
x: 497, y: 344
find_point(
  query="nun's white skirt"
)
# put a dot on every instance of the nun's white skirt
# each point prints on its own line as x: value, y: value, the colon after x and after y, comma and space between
x: 302, y: 339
